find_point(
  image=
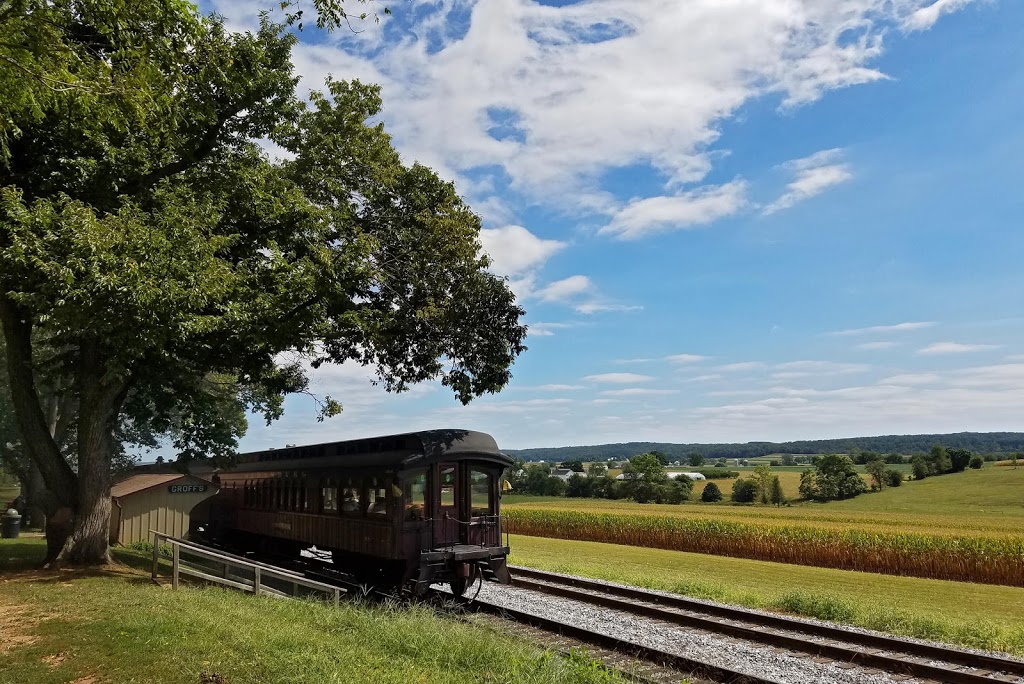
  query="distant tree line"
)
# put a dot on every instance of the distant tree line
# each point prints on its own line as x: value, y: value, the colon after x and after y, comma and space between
x: 645, y: 481
x: 978, y: 442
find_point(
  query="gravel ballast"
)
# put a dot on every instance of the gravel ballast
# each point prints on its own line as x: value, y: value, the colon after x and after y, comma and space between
x: 739, y: 655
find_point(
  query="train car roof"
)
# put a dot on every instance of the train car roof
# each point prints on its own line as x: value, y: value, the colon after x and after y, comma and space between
x: 404, y: 451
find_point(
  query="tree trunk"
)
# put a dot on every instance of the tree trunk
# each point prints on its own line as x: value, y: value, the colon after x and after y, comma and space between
x: 35, y: 516
x: 100, y: 399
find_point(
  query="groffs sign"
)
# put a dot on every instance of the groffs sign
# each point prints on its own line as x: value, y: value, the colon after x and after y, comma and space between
x: 186, y: 489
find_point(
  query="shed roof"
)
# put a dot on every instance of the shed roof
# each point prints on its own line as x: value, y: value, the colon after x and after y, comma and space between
x: 137, y: 483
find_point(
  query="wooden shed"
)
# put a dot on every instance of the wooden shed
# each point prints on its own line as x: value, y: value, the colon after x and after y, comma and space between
x: 155, y: 501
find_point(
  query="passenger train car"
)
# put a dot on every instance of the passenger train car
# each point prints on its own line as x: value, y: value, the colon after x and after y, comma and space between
x: 402, y: 510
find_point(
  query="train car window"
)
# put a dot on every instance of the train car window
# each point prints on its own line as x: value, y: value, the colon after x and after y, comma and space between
x: 448, y: 483
x: 351, y: 497
x: 377, y: 497
x: 330, y: 497
x: 415, y: 496
x: 480, y: 486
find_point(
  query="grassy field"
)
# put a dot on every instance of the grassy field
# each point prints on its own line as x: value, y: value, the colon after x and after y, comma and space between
x: 988, y: 501
x: 114, y: 626
x: 965, y: 526
x: 982, y: 616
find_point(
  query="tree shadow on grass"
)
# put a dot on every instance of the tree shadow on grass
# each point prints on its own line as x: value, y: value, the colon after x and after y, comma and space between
x: 22, y: 559
x: 19, y: 555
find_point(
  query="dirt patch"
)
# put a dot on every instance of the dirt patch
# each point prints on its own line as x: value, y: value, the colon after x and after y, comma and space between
x: 16, y: 623
x: 86, y: 680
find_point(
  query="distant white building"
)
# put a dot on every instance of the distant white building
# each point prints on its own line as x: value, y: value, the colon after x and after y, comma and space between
x: 563, y: 473
x: 692, y: 476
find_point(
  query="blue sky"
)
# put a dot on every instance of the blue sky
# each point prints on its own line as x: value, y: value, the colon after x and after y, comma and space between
x: 728, y: 220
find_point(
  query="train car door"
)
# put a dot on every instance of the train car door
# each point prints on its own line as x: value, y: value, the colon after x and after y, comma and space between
x: 481, y: 505
x: 448, y: 492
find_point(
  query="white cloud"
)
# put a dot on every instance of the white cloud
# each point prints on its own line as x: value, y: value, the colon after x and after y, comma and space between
x: 706, y: 378
x: 555, y: 96
x: 912, y: 379
x: 693, y: 209
x: 638, y: 392
x: 742, y: 366
x: 806, y: 369
x: 925, y: 17
x: 559, y: 388
x: 686, y: 358
x: 619, y: 378
x: 814, y: 175
x: 1004, y: 376
x: 871, y: 346
x: 898, y: 327
x: 515, y: 250
x: 599, y: 307
x: 874, y: 409
x: 954, y: 348
x: 545, y: 329
x: 565, y: 289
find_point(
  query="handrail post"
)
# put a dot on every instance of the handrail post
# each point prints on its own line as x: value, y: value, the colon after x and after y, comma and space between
x: 256, y: 581
x: 174, y: 567
x: 156, y: 555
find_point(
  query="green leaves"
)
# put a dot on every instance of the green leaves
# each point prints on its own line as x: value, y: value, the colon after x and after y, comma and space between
x: 140, y: 219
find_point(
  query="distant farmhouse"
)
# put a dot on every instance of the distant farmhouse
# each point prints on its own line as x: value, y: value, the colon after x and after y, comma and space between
x: 692, y: 476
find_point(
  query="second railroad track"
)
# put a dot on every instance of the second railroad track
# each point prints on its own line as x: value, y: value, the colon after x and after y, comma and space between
x: 887, y: 653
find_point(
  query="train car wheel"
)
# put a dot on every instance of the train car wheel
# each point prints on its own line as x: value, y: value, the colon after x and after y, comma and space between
x: 459, y: 586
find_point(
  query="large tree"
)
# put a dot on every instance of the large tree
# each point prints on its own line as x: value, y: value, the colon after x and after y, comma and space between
x: 151, y: 252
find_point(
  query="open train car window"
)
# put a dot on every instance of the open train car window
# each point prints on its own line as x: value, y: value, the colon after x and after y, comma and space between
x: 377, y: 498
x: 330, y: 497
x: 351, y: 497
x: 414, y: 495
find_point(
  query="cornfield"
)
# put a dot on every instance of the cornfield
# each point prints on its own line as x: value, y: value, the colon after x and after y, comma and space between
x: 990, y: 560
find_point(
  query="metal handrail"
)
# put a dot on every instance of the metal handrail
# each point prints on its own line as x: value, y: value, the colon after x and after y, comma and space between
x: 259, y: 570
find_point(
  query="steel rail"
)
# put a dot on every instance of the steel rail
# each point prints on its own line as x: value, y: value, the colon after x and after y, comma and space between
x: 824, y: 640
x: 696, y: 668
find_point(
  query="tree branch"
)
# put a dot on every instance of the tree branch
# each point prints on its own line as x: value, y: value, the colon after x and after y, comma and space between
x: 28, y: 412
x: 200, y: 150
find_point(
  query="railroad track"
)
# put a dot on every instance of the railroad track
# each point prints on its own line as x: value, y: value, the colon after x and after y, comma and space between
x: 663, y: 666
x: 891, y: 654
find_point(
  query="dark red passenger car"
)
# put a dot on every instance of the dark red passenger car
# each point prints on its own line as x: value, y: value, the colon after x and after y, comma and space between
x: 402, y: 510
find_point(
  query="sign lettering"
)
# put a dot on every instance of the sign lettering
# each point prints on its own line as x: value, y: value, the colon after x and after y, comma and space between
x: 186, y: 489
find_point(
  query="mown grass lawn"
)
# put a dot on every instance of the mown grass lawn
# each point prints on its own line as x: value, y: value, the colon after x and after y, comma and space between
x: 114, y: 626
x: 982, y: 616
